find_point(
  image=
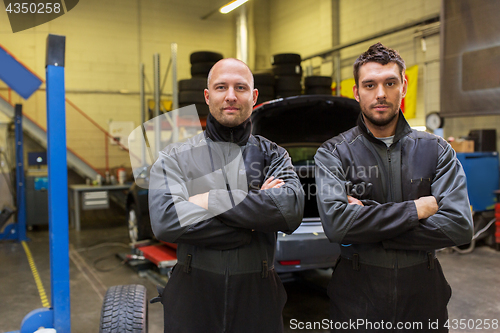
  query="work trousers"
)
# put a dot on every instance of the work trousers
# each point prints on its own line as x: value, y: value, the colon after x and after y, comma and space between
x: 365, y: 298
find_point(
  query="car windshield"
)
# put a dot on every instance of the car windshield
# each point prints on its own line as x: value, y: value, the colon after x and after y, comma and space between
x: 302, y: 154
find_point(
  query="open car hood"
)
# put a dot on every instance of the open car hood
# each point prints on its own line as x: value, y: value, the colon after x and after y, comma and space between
x: 307, y: 119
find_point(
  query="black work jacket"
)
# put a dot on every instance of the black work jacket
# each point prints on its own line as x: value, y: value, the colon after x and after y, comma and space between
x: 225, y: 274
x: 386, y: 231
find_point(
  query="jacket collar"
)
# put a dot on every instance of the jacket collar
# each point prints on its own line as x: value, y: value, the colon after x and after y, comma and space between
x: 218, y: 132
x: 402, y: 128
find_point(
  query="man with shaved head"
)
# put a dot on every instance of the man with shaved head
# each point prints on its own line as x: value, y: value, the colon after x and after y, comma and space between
x: 221, y: 196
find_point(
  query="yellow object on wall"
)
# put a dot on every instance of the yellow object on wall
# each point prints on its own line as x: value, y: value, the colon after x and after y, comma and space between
x: 409, y: 104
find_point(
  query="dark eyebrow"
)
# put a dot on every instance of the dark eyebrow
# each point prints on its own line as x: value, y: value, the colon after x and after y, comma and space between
x: 367, y: 81
x: 387, y: 79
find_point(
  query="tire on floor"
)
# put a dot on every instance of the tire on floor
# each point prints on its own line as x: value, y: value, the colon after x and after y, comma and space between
x: 124, y: 309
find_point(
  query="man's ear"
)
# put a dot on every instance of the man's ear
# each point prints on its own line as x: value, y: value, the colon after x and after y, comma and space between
x: 205, y: 92
x: 405, y: 87
x: 356, y: 92
x: 255, y: 94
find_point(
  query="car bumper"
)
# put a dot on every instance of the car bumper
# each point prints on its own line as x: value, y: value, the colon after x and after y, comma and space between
x: 307, y: 248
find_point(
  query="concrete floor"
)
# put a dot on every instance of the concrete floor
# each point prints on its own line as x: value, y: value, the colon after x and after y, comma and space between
x: 475, y: 279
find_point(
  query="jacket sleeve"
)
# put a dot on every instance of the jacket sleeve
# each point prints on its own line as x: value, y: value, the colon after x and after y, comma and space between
x: 271, y: 210
x: 175, y: 219
x: 344, y: 223
x: 452, y: 224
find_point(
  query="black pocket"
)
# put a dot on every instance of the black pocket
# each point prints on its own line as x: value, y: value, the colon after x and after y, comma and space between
x: 420, y: 187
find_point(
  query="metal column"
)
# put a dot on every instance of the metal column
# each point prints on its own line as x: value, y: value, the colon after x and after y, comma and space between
x: 58, y: 316
x: 20, y: 183
x: 17, y: 230
x: 58, y: 183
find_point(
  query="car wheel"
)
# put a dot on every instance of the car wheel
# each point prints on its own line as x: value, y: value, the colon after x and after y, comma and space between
x: 286, y: 58
x: 196, y: 84
x: 137, y: 229
x: 189, y: 96
x: 124, y: 309
x: 205, y: 56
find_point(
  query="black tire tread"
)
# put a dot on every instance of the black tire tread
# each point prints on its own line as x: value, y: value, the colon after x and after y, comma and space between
x: 287, y: 82
x: 263, y: 79
x: 192, y: 84
x: 191, y: 97
x: 205, y: 56
x: 265, y: 90
x: 124, y: 310
x: 287, y: 69
x: 286, y: 58
x: 318, y: 81
x: 318, y: 91
x: 144, y: 230
x: 201, y: 69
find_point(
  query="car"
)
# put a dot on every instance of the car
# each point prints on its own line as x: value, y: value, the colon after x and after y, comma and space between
x: 300, y: 124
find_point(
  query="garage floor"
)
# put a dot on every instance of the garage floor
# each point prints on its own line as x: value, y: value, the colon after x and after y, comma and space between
x: 475, y: 279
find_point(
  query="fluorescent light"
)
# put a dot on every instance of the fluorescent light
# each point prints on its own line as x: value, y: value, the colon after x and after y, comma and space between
x: 231, y: 5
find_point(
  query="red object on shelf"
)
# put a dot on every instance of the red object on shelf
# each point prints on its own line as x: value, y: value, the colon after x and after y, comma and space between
x: 160, y: 254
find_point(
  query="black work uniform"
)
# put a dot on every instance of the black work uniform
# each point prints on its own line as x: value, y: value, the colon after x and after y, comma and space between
x: 388, y: 270
x: 224, y: 280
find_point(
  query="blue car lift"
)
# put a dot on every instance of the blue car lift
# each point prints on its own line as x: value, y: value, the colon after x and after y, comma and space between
x: 58, y: 316
x: 17, y: 231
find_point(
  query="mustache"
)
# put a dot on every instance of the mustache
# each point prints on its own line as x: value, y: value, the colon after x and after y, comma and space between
x: 385, y: 103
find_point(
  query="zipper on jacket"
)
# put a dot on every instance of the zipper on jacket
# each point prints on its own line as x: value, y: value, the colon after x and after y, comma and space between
x: 226, y: 287
x: 391, y: 197
x: 395, y: 296
x: 228, y: 188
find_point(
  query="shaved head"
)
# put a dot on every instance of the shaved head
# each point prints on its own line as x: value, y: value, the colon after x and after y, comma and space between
x: 225, y: 60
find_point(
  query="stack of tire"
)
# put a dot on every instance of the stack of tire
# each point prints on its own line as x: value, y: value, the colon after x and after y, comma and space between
x: 264, y: 82
x: 191, y: 90
x: 288, y: 74
x: 318, y: 85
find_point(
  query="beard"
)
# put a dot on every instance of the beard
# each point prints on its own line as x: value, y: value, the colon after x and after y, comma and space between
x: 381, y: 121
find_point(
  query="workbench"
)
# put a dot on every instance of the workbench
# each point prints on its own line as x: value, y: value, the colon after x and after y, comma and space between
x: 97, y: 199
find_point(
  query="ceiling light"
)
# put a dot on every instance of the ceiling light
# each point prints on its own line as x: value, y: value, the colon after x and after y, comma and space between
x: 231, y: 5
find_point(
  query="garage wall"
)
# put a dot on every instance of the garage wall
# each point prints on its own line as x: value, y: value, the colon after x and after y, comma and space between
x: 363, y: 18
x: 303, y: 27
x: 105, y: 42
x: 309, y: 27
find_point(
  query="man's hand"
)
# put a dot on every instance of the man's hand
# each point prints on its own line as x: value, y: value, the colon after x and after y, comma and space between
x: 426, y: 207
x: 354, y: 201
x: 272, y: 183
x: 200, y: 200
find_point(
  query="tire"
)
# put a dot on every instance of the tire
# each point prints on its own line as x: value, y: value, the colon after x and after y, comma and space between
x: 318, y: 81
x: 137, y: 229
x: 124, y: 309
x: 288, y: 93
x: 288, y: 82
x: 265, y: 90
x: 264, y: 98
x: 201, y: 69
x: 286, y: 58
x: 263, y: 79
x: 204, y: 56
x: 191, y: 97
x: 318, y: 91
x: 287, y: 69
x: 193, y: 84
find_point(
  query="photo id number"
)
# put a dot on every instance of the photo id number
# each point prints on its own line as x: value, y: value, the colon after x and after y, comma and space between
x: 33, y: 8
x: 472, y: 324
